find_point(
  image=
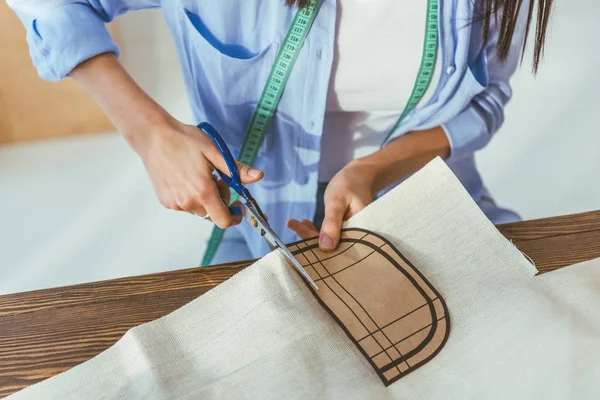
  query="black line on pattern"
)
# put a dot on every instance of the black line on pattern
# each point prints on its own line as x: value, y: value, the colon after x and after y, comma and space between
x: 429, y: 302
x: 379, y: 329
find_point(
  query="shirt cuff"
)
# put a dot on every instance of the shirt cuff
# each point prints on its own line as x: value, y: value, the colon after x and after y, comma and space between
x: 467, y: 132
x: 65, y: 37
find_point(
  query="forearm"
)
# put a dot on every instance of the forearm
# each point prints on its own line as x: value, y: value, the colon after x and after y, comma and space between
x: 405, y: 155
x: 129, y: 108
x: 178, y: 158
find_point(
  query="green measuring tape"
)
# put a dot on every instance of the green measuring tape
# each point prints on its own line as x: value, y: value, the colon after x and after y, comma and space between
x: 278, y: 77
x: 269, y: 99
x: 425, y: 74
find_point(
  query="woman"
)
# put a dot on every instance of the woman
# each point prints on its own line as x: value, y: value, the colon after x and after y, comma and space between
x: 337, y: 125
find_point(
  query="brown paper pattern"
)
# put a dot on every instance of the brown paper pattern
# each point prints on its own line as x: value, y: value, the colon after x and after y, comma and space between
x: 396, y: 318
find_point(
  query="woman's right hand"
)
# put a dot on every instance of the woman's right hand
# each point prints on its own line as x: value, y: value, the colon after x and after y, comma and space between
x: 179, y: 160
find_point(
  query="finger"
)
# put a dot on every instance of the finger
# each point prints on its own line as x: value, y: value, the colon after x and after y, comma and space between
x: 201, y: 212
x: 335, y: 208
x: 311, y: 227
x: 223, y: 190
x: 225, y: 193
x: 210, y: 198
x: 170, y: 203
x: 167, y: 197
x: 191, y: 205
x: 247, y: 174
x: 302, y: 230
x: 187, y: 201
x: 237, y: 218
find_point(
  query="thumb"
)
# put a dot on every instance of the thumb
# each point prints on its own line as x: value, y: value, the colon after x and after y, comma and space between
x: 213, y: 155
x: 329, y: 237
x: 249, y: 174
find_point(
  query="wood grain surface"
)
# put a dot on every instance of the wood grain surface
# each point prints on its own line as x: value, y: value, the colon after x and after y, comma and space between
x: 45, y: 332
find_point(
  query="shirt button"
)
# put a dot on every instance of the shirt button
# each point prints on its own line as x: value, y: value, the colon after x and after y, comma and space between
x: 319, y: 53
x: 450, y: 70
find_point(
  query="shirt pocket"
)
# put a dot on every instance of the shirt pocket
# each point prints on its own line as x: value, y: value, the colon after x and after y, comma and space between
x: 227, y: 79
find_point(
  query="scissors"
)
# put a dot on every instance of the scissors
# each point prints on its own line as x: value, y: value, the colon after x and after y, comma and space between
x: 250, y: 209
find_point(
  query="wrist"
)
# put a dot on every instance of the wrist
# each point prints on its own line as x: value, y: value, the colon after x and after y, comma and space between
x: 146, y: 123
x: 368, y: 171
x: 404, y: 156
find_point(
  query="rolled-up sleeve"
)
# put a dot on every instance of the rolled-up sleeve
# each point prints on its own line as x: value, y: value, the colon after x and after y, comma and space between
x: 475, y: 125
x: 61, y: 37
x: 65, y: 36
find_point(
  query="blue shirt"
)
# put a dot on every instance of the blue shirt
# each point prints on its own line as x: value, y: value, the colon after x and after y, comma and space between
x: 226, y: 49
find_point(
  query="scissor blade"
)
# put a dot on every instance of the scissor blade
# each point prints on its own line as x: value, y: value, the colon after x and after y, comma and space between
x: 296, y: 264
x: 259, y: 224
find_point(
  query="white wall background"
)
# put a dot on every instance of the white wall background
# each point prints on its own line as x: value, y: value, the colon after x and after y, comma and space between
x: 545, y: 160
x: 80, y: 210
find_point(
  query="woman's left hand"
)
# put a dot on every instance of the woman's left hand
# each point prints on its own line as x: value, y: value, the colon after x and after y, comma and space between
x: 353, y: 188
x: 347, y: 193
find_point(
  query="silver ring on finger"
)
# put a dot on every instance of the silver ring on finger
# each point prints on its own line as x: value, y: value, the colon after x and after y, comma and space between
x: 207, y: 216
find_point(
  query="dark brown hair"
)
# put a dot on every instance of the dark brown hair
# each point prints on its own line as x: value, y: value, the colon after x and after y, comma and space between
x: 506, y: 15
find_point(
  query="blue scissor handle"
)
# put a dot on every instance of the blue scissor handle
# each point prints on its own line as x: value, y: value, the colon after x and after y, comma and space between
x: 234, y: 181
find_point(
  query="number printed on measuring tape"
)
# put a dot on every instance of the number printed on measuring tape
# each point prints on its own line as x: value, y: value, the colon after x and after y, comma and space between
x: 425, y: 74
x: 269, y: 100
x: 280, y: 73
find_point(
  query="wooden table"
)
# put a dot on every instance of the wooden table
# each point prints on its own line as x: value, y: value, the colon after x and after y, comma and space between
x: 45, y: 332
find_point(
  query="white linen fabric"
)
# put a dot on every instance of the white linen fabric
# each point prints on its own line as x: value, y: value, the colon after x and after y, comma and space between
x: 262, y: 335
